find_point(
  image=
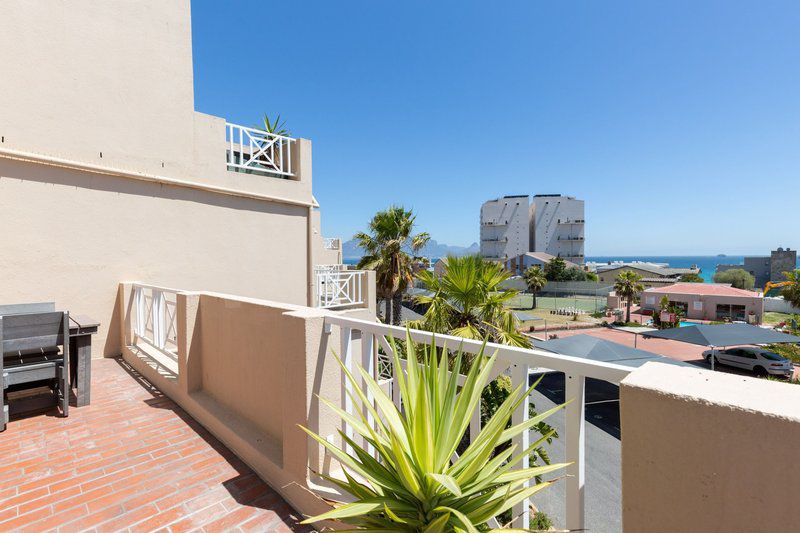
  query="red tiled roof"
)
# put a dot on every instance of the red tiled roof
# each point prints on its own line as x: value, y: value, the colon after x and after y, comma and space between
x: 703, y: 289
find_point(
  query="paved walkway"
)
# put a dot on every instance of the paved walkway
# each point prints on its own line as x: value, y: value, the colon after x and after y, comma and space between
x: 131, y: 461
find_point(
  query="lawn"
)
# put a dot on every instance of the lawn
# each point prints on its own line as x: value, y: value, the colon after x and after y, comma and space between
x: 772, y: 318
x: 589, y: 304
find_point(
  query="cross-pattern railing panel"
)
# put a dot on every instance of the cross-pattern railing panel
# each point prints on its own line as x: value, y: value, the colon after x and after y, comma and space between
x: 252, y: 149
x: 368, y: 342
x: 338, y: 288
x: 155, y: 316
x: 331, y: 243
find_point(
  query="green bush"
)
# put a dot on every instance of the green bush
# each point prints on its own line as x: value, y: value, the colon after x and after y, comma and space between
x: 739, y: 278
x: 789, y: 351
x: 541, y: 522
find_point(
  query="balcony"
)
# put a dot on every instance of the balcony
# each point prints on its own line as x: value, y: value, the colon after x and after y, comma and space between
x: 569, y: 221
x: 206, y: 400
x: 331, y: 243
x: 568, y: 238
x: 256, y: 151
x: 495, y: 239
x: 336, y: 287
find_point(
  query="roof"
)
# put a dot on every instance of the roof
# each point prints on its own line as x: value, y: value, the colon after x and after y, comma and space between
x: 658, y: 280
x: 544, y: 257
x: 723, y: 335
x: 525, y: 316
x: 703, y: 289
x: 597, y: 349
x: 655, y: 269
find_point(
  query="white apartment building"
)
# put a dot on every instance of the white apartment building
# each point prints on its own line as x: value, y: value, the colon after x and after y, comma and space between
x: 551, y: 223
x: 505, y: 227
x: 557, y: 226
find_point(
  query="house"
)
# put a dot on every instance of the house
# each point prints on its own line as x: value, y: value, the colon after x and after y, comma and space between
x: 708, y: 301
x: 518, y: 265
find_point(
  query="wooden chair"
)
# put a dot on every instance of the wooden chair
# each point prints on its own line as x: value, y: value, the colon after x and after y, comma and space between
x: 30, y: 345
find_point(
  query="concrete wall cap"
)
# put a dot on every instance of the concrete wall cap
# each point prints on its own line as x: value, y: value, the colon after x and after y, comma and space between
x: 737, y: 392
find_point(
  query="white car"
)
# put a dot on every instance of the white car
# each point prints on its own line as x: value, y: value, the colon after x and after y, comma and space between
x: 757, y: 360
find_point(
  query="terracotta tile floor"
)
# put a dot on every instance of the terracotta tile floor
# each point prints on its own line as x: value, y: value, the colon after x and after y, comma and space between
x: 132, y: 460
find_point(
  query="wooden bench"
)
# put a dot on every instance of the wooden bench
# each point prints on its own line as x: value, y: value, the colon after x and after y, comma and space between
x: 30, y: 345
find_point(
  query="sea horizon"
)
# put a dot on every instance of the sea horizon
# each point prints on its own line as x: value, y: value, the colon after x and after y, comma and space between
x: 706, y: 263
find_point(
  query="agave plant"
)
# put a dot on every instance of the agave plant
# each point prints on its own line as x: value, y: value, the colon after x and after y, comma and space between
x: 414, y: 480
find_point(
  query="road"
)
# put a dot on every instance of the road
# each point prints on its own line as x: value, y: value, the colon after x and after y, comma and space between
x: 603, y: 475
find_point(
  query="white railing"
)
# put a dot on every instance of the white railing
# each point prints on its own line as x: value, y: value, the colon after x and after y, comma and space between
x: 155, y: 315
x: 337, y: 287
x: 330, y: 243
x: 251, y: 149
x: 367, y: 339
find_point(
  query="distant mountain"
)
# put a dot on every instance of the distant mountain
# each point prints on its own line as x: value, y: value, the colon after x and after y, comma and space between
x: 350, y: 249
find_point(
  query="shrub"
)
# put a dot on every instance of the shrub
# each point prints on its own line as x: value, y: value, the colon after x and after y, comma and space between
x: 413, y: 485
x: 739, y: 278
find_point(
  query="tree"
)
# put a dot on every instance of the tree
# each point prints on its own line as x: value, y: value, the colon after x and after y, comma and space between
x: 387, y: 247
x: 628, y: 286
x: 591, y: 276
x: 692, y: 278
x: 737, y: 277
x: 791, y: 292
x: 535, y: 280
x: 277, y: 126
x: 555, y: 269
x: 468, y: 301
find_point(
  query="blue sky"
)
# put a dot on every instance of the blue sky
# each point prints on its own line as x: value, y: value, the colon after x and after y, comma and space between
x: 677, y: 122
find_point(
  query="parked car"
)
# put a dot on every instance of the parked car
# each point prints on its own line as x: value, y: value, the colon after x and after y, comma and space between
x: 757, y: 360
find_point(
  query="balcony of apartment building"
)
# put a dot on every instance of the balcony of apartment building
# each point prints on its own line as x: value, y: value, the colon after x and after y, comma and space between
x: 196, y: 426
x: 570, y: 221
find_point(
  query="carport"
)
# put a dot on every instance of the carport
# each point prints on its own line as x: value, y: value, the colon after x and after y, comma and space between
x: 590, y: 347
x: 716, y: 336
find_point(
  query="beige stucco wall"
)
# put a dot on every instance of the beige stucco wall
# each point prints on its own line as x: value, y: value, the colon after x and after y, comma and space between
x: 708, y: 303
x: 71, y: 237
x: 320, y: 254
x: 708, y: 452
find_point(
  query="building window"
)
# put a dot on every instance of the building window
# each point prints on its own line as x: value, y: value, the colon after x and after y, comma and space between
x: 697, y: 306
x: 650, y: 300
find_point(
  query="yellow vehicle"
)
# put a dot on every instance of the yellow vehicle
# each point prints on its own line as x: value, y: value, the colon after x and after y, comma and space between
x: 773, y: 288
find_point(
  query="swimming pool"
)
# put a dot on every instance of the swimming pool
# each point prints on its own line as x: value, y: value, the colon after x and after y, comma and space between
x: 683, y: 324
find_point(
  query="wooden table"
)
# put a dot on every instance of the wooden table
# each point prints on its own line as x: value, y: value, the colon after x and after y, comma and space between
x: 81, y: 330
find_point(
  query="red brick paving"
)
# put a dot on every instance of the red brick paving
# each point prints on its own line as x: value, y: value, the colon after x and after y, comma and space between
x: 130, y: 461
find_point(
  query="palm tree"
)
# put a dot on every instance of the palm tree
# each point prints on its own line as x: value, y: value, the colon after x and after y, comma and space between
x: 628, y: 286
x: 791, y: 292
x: 386, y: 248
x: 468, y: 301
x: 535, y: 280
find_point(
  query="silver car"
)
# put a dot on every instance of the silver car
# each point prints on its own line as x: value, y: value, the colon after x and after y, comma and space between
x: 757, y: 360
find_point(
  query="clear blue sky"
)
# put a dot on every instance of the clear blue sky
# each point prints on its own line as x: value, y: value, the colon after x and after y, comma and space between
x: 677, y: 122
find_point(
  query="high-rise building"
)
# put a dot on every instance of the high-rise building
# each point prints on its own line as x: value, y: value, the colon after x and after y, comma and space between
x: 551, y: 223
x: 504, y: 227
x: 557, y: 226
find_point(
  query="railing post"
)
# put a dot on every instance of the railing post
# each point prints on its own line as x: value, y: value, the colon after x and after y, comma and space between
x: 574, y: 427
x: 138, y: 297
x: 346, y: 354
x: 368, y: 363
x: 519, y: 376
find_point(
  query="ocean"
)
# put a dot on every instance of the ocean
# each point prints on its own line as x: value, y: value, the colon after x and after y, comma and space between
x: 707, y: 263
